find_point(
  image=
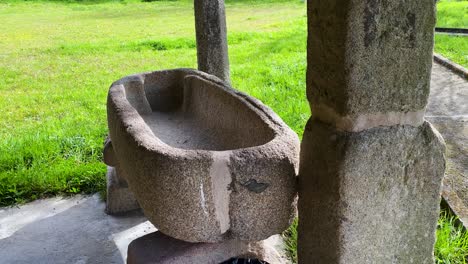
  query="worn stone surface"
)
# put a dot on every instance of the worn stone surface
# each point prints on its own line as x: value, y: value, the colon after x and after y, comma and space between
x: 212, y: 47
x: 119, y: 197
x: 205, y: 162
x: 371, y: 61
x: 159, y: 248
x: 369, y: 197
x: 448, y: 111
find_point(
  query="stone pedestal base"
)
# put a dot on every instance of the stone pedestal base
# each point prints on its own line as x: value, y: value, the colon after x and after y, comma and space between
x: 119, y: 198
x: 369, y: 197
x: 159, y: 248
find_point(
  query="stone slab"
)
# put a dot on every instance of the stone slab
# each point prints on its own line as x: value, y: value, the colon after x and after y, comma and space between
x: 67, y: 230
x: 159, y: 248
x: 119, y: 198
x: 369, y: 197
x: 448, y: 112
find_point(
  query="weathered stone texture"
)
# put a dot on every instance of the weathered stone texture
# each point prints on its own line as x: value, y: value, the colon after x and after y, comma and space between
x: 369, y: 56
x: 119, y: 197
x: 159, y: 248
x: 212, y: 47
x: 369, y: 197
x: 205, y: 162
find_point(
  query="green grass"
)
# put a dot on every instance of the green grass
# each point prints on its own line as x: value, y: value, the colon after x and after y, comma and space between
x: 453, y: 47
x: 452, y: 14
x: 452, y: 240
x: 58, y: 58
x: 290, y: 240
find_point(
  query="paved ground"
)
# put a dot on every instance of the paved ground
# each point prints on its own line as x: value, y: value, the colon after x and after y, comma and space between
x: 76, y: 230
x: 448, y: 112
x: 70, y: 231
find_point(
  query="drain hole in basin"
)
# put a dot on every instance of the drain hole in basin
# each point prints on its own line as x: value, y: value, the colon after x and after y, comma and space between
x: 244, y: 261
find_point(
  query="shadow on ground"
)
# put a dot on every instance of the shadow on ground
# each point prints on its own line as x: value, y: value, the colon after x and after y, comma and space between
x: 61, y: 230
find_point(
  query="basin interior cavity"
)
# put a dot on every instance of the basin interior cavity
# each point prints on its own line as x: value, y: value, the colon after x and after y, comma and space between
x: 190, y: 112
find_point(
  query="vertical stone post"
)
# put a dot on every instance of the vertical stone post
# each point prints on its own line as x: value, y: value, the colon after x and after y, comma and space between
x: 212, y: 48
x: 371, y: 167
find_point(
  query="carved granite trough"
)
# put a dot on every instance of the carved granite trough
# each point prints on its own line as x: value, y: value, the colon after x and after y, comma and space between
x: 205, y: 162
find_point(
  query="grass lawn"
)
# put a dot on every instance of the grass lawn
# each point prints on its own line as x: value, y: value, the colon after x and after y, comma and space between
x: 453, y: 14
x: 57, y: 60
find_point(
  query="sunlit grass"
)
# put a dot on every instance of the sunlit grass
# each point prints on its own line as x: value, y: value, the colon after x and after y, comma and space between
x: 58, y: 59
x: 453, y: 47
x: 452, y: 240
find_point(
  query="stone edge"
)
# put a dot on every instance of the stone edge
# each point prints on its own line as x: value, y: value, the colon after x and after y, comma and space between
x: 455, y: 204
x: 452, y: 66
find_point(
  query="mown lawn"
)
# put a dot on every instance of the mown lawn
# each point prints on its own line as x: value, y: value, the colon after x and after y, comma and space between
x: 57, y: 60
x: 453, y: 14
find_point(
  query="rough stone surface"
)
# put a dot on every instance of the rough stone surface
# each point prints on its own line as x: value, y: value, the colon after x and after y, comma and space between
x: 119, y: 197
x: 205, y: 162
x: 212, y: 48
x: 159, y: 248
x: 369, y: 197
x: 371, y: 61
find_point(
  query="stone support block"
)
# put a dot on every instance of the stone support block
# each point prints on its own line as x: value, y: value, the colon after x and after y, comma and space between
x: 119, y: 197
x: 369, y: 61
x: 212, y: 47
x: 159, y: 248
x: 369, y: 197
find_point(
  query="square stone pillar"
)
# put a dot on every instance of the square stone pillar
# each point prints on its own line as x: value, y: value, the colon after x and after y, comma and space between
x: 212, y: 47
x: 371, y: 167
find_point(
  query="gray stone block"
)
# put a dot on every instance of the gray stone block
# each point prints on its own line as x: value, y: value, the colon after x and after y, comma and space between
x: 205, y: 162
x: 159, y: 248
x: 369, y: 197
x: 369, y: 61
x: 119, y: 197
x: 212, y: 47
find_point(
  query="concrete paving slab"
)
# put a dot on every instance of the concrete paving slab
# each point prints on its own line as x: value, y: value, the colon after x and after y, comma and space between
x: 67, y: 230
x: 448, y: 112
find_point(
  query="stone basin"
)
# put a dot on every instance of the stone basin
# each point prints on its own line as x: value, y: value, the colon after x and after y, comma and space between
x: 205, y: 162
